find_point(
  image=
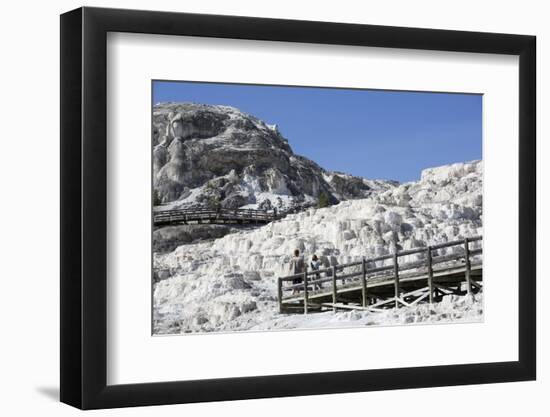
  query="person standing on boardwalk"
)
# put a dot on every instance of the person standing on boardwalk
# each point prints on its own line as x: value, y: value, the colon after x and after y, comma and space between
x: 315, y: 264
x: 297, y: 266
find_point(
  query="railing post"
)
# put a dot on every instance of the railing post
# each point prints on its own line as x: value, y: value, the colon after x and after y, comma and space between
x: 364, y: 283
x: 430, y: 274
x: 396, y: 277
x: 280, y: 294
x: 306, y: 293
x: 468, y: 266
x: 334, y: 288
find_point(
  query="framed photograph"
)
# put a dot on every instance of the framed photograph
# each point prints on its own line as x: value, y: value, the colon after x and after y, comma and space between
x: 256, y: 208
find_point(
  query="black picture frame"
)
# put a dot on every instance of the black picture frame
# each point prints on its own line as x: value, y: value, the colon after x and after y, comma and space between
x: 84, y: 207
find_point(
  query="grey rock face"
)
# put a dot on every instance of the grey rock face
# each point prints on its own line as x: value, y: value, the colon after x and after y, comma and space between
x: 166, y: 239
x: 348, y: 187
x: 217, y: 155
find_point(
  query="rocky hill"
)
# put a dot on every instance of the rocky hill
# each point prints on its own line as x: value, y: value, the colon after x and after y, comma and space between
x: 217, y: 155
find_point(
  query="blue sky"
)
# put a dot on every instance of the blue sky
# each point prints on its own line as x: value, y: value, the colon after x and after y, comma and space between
x: 368, y: 133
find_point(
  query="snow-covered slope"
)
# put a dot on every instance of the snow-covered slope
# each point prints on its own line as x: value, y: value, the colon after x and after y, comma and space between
x: 230, y: 283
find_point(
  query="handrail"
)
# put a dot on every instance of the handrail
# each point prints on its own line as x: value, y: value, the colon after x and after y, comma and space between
x: 389, y: 256
x: 222, y: 214
x: 202, y: 213
x: 424, y: 266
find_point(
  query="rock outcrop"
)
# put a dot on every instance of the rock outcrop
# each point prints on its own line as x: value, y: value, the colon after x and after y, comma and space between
x: 218, y: 155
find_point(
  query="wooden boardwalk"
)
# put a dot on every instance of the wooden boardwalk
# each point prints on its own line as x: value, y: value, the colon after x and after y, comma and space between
x: 203, y: 215
x: 387, y: 281
x: 213, y: 216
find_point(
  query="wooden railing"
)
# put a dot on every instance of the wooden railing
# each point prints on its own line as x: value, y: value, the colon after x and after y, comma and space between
x: 221, y: 215
x: 359, y: 273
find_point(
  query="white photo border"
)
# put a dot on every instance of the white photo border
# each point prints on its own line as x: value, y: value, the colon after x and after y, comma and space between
x: 133, y: 60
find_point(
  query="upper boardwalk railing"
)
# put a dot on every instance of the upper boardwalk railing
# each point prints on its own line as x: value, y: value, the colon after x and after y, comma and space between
x: 223, y: 215
x: 375, y: 283
x: 220, y: 216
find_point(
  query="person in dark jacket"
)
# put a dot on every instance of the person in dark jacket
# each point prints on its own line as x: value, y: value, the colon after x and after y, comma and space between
x: 315, y: 265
